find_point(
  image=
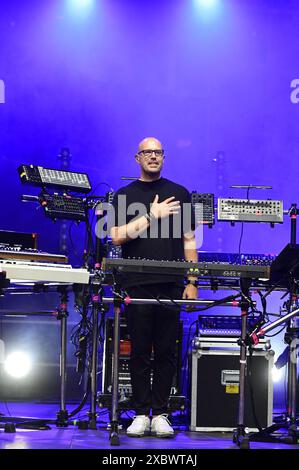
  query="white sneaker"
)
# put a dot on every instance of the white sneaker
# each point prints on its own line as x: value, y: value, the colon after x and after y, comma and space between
x: 161, y: 426
x: 140, y: 427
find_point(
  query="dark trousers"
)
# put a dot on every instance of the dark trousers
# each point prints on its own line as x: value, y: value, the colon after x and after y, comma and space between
x: 153, y: 329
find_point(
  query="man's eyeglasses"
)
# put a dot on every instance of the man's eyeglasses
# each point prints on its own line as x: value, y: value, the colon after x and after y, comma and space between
x: 147, y: 153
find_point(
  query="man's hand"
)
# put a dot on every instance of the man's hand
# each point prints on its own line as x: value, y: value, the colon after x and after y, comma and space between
x: 190, y: 292
x: 165, y: 208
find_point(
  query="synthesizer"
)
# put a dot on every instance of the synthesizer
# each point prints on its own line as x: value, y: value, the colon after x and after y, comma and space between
x: 47, y: 177
x: 63, y: 206
x: 23, y: 246
x: 248, y: 259
x: 203, y: 205
x: 223, y: 342
x: 21, y: 271
x: 18, y: 240
x: 12, y: 253
x: 262, y: 259
x: 184, y: 268
x: 285, y: 268
x: 222, y: 325
x: 250, y: 210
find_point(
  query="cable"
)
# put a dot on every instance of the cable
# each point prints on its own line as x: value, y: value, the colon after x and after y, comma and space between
x: 275, y: 334
x: 89, y: 243
x: 83, y: 401
x: 264, y: 305
x: 81, y: 335
x: 185, y: 357
x: 214, y: 304
x: 188, y: 309
x: 73, y: 246
x: 99, y: 184
x: 152, y: 296
x: 93, y: 209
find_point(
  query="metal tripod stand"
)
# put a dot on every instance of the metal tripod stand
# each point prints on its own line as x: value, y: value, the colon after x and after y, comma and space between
x: 114, y: 438
x: 240, y: 437
x: 62, y: 314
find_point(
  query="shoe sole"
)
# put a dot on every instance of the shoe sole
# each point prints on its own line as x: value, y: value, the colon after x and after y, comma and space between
x: 163, y: 435
x: 146, y: 433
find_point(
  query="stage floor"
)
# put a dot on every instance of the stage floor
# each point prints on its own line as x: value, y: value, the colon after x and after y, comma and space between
x: 74, y: 438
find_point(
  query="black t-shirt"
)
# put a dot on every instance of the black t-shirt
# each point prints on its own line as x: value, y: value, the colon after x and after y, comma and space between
x: 163, y: 240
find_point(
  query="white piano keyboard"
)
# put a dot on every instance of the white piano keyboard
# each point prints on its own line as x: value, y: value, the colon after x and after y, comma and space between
x: 43, y: 272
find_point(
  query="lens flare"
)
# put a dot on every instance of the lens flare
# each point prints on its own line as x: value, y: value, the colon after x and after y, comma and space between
x: 276, y: 374
x: 17, y: 364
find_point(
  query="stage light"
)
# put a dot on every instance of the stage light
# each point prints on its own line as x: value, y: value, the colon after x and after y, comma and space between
x: 81, y: 3
x: 80, y: 8
x: 208, y: 10
x: 276, y: 374
x: 207, y: 3
x: 17, y: 364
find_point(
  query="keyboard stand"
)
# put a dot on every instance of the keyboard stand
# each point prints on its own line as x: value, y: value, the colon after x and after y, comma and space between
x: 62, y: 314
x: 240, y: 438
x: 117, y: 300
x: 62, y: 415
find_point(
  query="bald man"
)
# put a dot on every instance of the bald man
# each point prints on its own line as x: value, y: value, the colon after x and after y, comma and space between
x: 157, y: 232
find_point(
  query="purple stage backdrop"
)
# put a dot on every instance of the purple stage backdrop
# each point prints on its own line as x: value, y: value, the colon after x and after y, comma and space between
x: 216, y: 82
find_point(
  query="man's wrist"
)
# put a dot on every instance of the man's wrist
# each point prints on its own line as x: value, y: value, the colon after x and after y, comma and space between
x: 150, y: 216
x: 147, y: 217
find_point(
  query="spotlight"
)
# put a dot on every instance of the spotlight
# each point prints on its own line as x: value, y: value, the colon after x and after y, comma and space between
x: 17, y: 364
x: 207, y: 3
x: 208, y: 10
x: 80, y: 9
x: 276, y: 374
x: 80, y: 4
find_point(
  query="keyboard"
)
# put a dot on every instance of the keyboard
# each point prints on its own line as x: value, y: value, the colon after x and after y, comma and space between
x: 27, y: 271
x: 184, y: 268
